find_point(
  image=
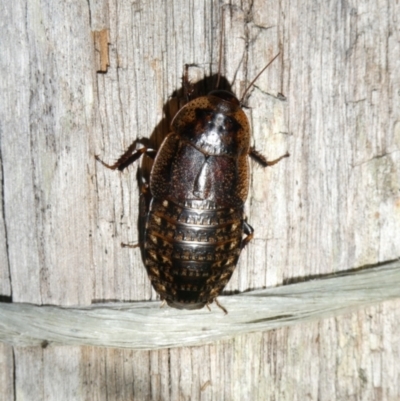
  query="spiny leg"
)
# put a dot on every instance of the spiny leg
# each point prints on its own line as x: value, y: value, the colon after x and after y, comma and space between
x: 220, y: 306
x: 130, y: 156
x: 260, y: 158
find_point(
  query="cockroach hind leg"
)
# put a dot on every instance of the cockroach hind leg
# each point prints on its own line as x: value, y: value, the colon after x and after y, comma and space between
x: 220, y: 306
x: 261, y: 159
x: 110, y: 166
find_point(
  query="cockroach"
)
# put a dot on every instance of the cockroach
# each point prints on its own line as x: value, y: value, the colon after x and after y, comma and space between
x: 195, y: 227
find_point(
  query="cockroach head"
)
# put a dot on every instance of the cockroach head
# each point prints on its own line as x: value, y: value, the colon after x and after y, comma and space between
x: 226, y: 96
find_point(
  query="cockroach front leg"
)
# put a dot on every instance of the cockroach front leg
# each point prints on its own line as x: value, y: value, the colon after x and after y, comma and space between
x: 130, y: 156
x: 261, y: 159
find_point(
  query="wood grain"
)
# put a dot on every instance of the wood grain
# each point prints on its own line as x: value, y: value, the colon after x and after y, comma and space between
x: 331, y: 100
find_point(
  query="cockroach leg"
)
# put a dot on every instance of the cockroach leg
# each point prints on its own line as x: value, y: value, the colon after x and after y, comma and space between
x: 261, y: 159
x: 220, y: 306
x: 130, y: 156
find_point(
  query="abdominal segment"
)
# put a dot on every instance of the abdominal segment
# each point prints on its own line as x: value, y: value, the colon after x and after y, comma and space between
x: 191, y: 250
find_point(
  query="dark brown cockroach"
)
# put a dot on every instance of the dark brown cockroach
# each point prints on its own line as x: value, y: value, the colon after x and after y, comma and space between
x: 195, y: 226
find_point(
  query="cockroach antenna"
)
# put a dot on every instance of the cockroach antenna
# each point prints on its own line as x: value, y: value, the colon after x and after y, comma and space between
x: 221, y: 42
x: 258, y: 76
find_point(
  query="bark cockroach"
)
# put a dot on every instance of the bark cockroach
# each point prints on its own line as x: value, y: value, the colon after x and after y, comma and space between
x: 195, y: 226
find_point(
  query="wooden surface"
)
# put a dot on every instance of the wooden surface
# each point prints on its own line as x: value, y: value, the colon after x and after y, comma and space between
x: 334, y: 204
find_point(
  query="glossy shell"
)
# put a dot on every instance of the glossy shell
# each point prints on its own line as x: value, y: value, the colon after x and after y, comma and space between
x: 199, y: 183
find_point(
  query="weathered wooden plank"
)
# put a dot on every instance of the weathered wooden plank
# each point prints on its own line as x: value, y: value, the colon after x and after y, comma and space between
x: 280, y: 364
x: 48, y: 118
x: 6, y: 372
x: 48, y: 373
x: 5, y: 285
x: 333, y: 204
